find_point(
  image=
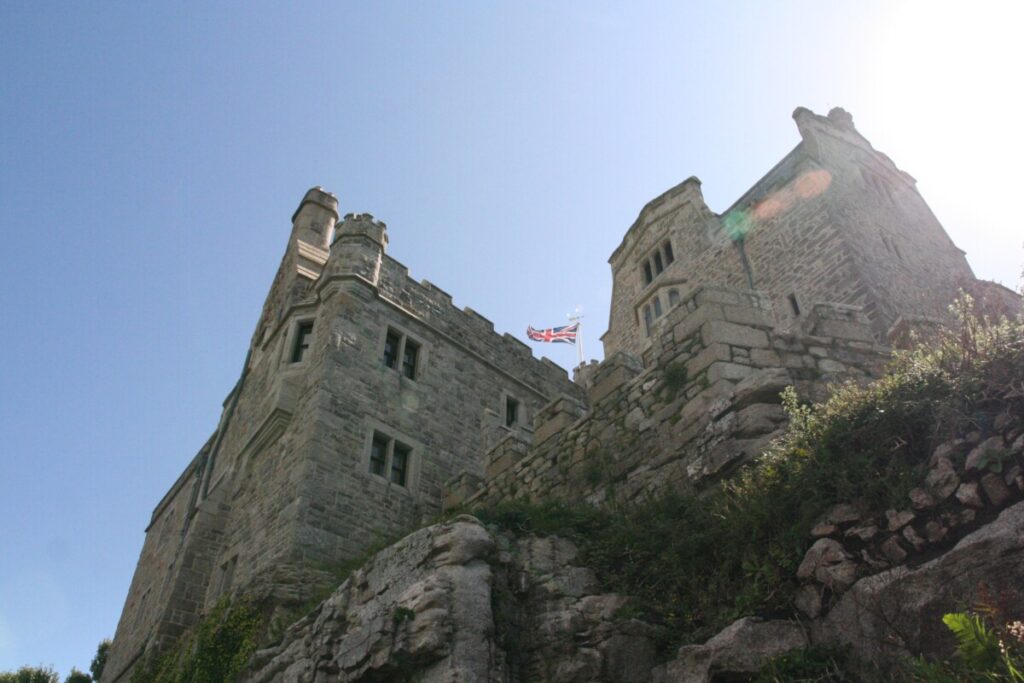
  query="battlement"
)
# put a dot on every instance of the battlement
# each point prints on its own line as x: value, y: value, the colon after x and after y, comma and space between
x: 704, y: 399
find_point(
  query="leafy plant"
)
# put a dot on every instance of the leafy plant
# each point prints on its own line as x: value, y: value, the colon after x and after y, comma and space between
x: 99, y: 662
x: 77, y: 676
x: 216, y: 650
x: 30, y: 674
x: 986, y: 651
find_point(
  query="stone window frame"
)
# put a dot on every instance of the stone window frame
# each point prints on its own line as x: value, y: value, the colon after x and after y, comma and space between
x: 405, y: 336
x: 522, y: 416
x: 657, y: 261
x: 652, y: 306
x: 291, y: 338
x: 413, y: 464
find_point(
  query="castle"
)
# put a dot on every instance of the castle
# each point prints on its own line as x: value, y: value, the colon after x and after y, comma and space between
x: 368, y: 402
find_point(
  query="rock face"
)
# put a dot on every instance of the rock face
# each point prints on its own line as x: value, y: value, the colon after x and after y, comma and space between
x: 744, y: 647
x: 452, y: 602
x: 899, y: 610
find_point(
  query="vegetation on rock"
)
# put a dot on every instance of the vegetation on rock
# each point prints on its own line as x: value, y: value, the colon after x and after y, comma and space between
x: 695, y: 563
x: 216, y: 650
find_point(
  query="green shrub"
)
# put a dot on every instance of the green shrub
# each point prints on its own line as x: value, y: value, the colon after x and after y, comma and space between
x: 215, y: 651
x: 99, y: 662
x: 30, y: 674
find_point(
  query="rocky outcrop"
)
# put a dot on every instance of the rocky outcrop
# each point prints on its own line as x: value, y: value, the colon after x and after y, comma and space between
x: 968, y: 482
x: 885, y: 616
x: 741, y: 649
x: 453, y: 602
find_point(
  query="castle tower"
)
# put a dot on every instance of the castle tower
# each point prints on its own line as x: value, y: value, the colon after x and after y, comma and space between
x: 363, y: 391
x: 834, y: 221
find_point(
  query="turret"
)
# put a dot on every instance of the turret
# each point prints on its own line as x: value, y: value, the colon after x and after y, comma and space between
x: 358, y: 249
x: 314, y: 220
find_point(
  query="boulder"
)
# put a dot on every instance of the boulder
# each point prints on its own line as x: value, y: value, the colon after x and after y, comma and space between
x: 898, y: 612
x: 828, y: 563
x: 741, y: 649
x: 942, y: 479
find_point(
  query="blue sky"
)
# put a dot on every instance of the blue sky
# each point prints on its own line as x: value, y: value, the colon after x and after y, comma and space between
x: 151, y: 157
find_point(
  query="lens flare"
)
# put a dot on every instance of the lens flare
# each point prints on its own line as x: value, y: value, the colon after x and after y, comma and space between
x: 808, y: 185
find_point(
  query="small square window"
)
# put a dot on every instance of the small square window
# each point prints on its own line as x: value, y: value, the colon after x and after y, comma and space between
x: 511, y: 411
x: 303, y: 335
x: 401, y: 353
x: 390, y: 459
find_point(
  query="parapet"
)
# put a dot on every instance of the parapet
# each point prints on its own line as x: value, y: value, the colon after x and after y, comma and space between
x: 320, y: 197
x: 364, y: 225
x: 705, y: 400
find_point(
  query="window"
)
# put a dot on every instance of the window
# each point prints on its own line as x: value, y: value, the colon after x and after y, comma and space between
x: 303, y: 335
x: 794, y: 305
x: 657, y: 261
x: 409, y: 356
x: 648, y: 319
x: 673, y: 297
x: 401, y: 353
x: 511, y: 411
x: 657, y: 307
x: 399, y: 463
x: 390, y: 459
x: 378, y: 454
x: 391, y: 344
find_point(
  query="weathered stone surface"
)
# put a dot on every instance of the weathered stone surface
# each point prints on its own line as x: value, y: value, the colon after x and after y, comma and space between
x: 898, y: 520
x: 982, y: 451
x: 921, y: 499
x: 889, y: 614
x: 843, y: 513
x: 447, y: 604
x: 892, y: 549
x: 967, y: 493
x: 995, y: 489
x: 743, y: 647
x: 828, y: 563
x: 942, y: 480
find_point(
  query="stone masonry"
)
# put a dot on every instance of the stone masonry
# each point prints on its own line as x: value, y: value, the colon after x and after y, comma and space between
x: 367, y: 402
x: 350, y: 353
x: 706, y: 401
x: 834, y: 221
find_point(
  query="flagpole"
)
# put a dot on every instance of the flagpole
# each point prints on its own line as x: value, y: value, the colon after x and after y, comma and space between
x: 576, y: 317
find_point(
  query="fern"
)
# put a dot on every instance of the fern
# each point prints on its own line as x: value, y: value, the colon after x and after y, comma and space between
x: 976, y: 644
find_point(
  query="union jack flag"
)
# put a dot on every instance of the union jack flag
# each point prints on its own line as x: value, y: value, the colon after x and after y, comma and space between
x: 566, y: 334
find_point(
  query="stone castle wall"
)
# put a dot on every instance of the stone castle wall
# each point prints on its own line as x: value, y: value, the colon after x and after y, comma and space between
x: 705, y: 399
